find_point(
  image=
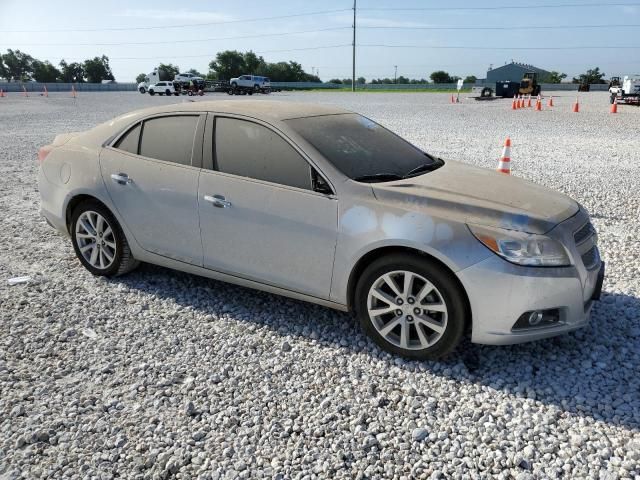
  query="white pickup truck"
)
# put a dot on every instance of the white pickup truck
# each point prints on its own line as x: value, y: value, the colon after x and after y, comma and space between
x: 254, y: 83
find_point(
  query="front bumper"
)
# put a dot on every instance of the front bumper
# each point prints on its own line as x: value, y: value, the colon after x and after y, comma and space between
x: 500, y: 292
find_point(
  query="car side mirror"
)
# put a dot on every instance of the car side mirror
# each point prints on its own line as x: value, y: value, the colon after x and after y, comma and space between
x: 319, y: 184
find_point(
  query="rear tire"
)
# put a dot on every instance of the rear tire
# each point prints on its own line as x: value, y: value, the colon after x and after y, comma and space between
x: 99, y: 242
x: 152, y: 93
x: 411, y: 323
x: 142, y: 90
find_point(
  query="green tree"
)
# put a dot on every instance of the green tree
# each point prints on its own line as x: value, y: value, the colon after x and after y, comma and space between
x: 335, y: 80
x: 18, y: 65
x: 253, y: 64
x: 556, y: 77
x: 97, y: 69
x: 228, y: 64
x: 591, y: 76
x: 168, y: 71
x: 45, y: 72
x: 71, y: 72
x: 361, y: 80
x: 140, y: 78
x: 441, y: 76
x: 470, y: 79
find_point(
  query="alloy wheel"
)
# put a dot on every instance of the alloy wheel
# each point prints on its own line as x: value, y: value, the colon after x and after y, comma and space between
x: 95, y: 239
x: 407, y: 310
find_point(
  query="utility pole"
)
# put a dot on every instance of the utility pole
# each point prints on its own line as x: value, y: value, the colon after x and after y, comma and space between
x: 353, y: 72
x: 395, y: 75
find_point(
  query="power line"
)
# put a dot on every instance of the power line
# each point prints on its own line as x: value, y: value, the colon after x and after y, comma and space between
x: 529, y: 27
x: 184, y: 41
x: 504, y: 7
x: 186, y: 25
x: 442, y: 47
x: 212, y: 55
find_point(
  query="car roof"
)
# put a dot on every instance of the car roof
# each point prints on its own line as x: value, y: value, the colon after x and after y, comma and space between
x: 268, y: 110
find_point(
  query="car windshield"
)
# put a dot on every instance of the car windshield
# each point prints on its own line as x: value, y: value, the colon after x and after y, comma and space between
x: 362, y: 149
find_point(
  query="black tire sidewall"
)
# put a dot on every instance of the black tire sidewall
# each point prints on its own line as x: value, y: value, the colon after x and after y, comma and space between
x: 457, y: 310
x: 117, y: 233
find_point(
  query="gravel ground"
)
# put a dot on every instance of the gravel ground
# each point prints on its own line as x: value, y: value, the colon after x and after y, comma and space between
x: 166, y: 375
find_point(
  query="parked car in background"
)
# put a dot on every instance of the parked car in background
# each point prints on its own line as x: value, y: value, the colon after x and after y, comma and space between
x: 254, y: 82
x: 187, y: 77
x: 163, y: 88
x: 324, y: 205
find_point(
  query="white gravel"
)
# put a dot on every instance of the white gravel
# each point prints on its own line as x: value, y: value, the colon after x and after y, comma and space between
x: 166, y: 375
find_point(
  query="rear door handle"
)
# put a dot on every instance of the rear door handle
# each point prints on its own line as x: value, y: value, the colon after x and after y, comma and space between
x: 218, y: 201
x: 121, y: 178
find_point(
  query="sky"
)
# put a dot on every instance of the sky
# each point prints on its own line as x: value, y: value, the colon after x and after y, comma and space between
x: 318, y: 35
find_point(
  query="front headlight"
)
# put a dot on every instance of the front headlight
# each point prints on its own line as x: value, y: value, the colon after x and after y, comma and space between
x: 522, y: 248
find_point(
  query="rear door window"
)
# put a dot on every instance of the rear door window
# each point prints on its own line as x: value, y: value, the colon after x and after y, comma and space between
x: 169, y: 138
x: 251, y: 150
x: 130, y: 140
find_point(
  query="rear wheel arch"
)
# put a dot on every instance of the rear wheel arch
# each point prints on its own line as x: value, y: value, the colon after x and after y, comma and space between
x: 83, y: 198
x: 370, y: 257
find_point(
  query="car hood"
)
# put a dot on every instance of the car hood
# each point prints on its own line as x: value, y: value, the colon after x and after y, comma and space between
x: 482, y: 197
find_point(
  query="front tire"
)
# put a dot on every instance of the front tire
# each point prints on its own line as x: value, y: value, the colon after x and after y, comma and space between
x: 168, y: 92
x: 142, y: 90
x: 411, y: 306
x: 152, y: 93
x: 99, y: 242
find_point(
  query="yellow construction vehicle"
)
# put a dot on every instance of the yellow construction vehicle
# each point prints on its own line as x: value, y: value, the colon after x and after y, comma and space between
x: 529, y: 84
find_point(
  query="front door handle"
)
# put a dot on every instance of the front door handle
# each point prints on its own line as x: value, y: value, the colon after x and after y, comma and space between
x: 121, y: 178
x: 218, y: 201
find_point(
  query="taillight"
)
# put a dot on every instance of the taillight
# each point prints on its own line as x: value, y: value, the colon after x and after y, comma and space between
x: 43, y: 152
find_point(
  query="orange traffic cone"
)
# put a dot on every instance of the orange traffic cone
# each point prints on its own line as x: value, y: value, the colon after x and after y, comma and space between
x: 453, y: 100
x: 514, y: 104
x: 550, y: 104
x: 24, y: 91
x: 539, y: 104
x: 576, y: 106
x: 45, y: 91
x: 614, y: 106
x: 2, y: 95
x: 529, y: 102
x: 504, y: 164
x: 73, y: 91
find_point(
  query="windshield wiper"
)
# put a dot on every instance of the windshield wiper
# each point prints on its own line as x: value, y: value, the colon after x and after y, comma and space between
x: 378, y: 177
x: 425, y: 167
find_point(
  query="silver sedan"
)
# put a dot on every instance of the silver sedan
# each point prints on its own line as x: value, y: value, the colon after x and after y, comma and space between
x: 325, y: 205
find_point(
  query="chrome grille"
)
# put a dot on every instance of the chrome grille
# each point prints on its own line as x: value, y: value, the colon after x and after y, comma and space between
x: 584, y: 233
x: 591, y: 258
